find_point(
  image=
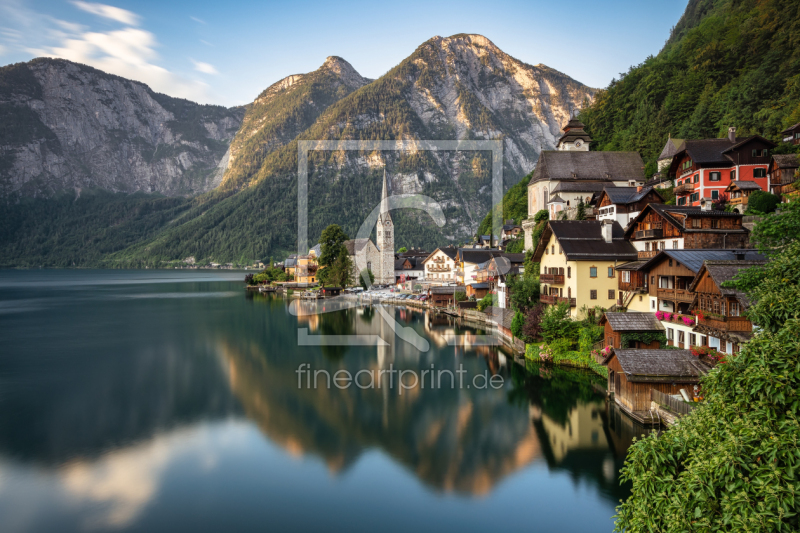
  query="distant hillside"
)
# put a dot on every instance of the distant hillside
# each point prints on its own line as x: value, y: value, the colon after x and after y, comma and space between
x: 66, y: 127
x: 727, y: 63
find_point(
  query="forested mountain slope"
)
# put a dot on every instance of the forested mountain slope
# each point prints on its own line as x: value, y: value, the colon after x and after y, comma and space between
x: 727, y: 63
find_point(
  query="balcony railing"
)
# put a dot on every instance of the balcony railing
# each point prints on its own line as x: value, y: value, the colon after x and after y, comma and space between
x: 727, y: 323
x: 685, y: 188
x: 552, y: 279
x: 648, y: 254
x: 553, y: 299
x: 649, y: 234
x: 676, y: 295
x: 434, y: 268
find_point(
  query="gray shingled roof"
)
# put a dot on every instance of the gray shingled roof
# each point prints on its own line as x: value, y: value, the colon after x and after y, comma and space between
x: 582, y: 240
x: 786, y: 160
x: 448, y: 290
x: 627, y: 195
x: 476, y: 255
x: 633, y: 265
x: 633, y: 321
x: 594, y: 166
x: 579, y: 186
x: 722, y: 271
x: 665, y: 210
x: 693, y: 259
x: 658, y: 365
x: 791, y: 129
x: 745, y: 185
x: 672, y: 147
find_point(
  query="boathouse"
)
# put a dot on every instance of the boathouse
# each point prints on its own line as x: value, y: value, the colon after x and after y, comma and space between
x: 632, y: 373
x: 632, y: 330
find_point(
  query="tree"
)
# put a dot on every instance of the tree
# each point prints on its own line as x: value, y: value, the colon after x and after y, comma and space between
x: 763, y: 202
x: 366, y: 274
x: 533, y: 323
x: 517, y: 325
x: 460, y: 296
x: 524, y: 292
x: 331, y: 245
x: 776, y: 230
x: 581, y: 211
x: 721, y: 202
x: 488, y: 300
x: 402, y: 250
x: 556, y: 323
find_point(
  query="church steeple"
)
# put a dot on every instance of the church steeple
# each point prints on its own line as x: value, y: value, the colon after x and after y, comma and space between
x: 384, y: 216
x: 385, y: 239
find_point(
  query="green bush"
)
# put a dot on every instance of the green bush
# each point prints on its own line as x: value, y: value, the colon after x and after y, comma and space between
x: 763, y: 202
x: 517, y: 324
x: 557, y: 324
x: 488, y: 300
x: 460, y: 296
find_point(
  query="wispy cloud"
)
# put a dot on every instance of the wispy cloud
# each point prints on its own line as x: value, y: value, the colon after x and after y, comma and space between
x: 128, y: 51
x: 206, y: 43
x: 199, y: 21
x: 205, y: 68
x: 3, y: 50
x: 110, y: 12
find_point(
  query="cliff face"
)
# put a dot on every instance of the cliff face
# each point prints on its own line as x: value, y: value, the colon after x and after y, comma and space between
x: 68, y: 126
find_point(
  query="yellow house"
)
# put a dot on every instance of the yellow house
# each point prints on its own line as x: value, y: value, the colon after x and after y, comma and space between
x: 578, y: 260
x: 307, y: 266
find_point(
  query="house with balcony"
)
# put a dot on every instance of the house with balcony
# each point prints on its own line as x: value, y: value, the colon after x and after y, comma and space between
x: 782, y: 174
x: 467, y: 261
x: 791, y: 134
x: 440, y: 266
x: 704, y: 168
x: 721, y: 320
x: 408, y: 268
x: 738, y: 192
x: 623, y: 204
x: 578, y: 260
x: 495, y: 273
x: 669, y: 276
x: 669, y: 227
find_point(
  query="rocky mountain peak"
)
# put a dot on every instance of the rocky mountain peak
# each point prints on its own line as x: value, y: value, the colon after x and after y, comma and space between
x: 345, y: 71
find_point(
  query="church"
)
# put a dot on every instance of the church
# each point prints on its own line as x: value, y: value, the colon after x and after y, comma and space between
x: 379, y: 259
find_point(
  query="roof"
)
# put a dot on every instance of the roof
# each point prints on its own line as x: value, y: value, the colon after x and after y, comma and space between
x: 707, y: 151
x: 556, y: 200
x: 658, y: 365
x: 356, y: 245
x: 786, y: 160
x: 476, y: 255
x: 628, y: 195
x: 632, y: 321
x: 791, y: 129
x: 578, y: 186
x: 447, y: 290
x: 415, y: 263
x: 633, y: 265
x: 582, y: 240
x: 672, y: 147
x: 317, y: 249
x: 593, y: 166
x: 693, y: 259
x: 509, y: 227
x: 746, y: 140
x: 656, y: 179
x: 744, y: 186
x: 573, y: 135
x: 483, y: 285
x: 685, y: 210
x: 573, y: 123
x: 449, y: 251
x: 290, y: 262
x: 722, y: 271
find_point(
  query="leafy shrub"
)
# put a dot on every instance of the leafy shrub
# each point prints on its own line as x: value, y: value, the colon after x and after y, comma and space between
x: 460, y: 296
x: 517, y: 325
x: 488, y: 300
x: 763, y: 202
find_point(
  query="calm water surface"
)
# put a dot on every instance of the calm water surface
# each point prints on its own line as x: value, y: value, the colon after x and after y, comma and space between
x: 166, y: 401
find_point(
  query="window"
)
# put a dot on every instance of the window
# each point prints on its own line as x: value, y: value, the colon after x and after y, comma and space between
x: 681, y: 337
x: 652, y: 304
x: 681, y: 201
x: 670, y: 262
x: 714, y: 176
x: 547, y: 251
x: 553, y: 249
x: 723, y: 346
x: 652, y: 280
x: 693, y: 339
x: 760, y: 173
x: 626, y: 276
x: 697, y: 178
x: 593, y: 272
x: 695, y: 197
x: 716, y: 307
x: 757, y: 152
x: 610, y: 294
x: 674, y: 245
x: 670, y: 334
x: 560, y: 250
x: 715, y: 223
x: 714, y: 195
x: 697, y: 223
x: 734, y: 308
x: 593, y: 295
x: 647, y: 247
x: 569, y: 272
x: 610, y: 272
x: 663, y: 245
x: 733, y: 175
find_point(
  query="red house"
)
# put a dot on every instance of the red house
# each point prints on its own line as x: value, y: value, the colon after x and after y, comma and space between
x: 704, y: 168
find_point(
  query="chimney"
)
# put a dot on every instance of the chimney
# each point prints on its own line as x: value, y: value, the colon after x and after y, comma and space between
x: 638, y: 188
x: 605, y: 230
x: 732, y: 134
x: 705, y: 204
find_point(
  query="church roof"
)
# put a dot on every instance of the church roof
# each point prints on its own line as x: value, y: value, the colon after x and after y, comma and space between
x: 566, y: 165
x: 573, y: 123
x: 384, y: 216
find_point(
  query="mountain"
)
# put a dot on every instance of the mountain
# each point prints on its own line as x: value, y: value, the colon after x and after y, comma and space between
x: 461, y: 87
x: 66, y: 126
x: 727, y: 63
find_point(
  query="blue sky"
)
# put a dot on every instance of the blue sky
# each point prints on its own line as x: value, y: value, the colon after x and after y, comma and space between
x: 227, y: 52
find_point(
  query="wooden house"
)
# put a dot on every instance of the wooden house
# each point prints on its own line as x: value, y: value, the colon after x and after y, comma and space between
x: 478, y: 290
x: 632, y: 373
x: 624, y: 203
x: 791, y: 134
x: 782, y: 173
x: 739, y: 192
x: 617, y: 325
x: 668, y: 227
x: 720, y: 310
x: 444, y: 296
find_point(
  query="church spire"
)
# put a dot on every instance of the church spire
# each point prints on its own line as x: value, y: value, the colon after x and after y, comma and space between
x: 385, y: 198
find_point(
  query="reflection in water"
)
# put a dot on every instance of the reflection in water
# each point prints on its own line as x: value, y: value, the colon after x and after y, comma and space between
x: 127, y: 408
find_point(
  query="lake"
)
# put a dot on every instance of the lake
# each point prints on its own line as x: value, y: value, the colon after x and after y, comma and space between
x: 173, y: 400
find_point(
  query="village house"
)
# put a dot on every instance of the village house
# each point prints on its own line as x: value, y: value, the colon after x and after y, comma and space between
x: 662, y: 227
x: 468, y: 259
x: 495, y: 272
x: 672, y: 147
x: 623, y: 204
x: 664, y: 282
x: 782, y: 173
x: 633, y: 373
x: 705, y: 167
x: 720, y: 310
x: 739, y: 192
x: 510, y: 230
x: 791, y: 134
x: 408, y: 268
x: 444, y: 296
x: 578, y: 262
x: 440, y: 266
x: 631, y: 330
